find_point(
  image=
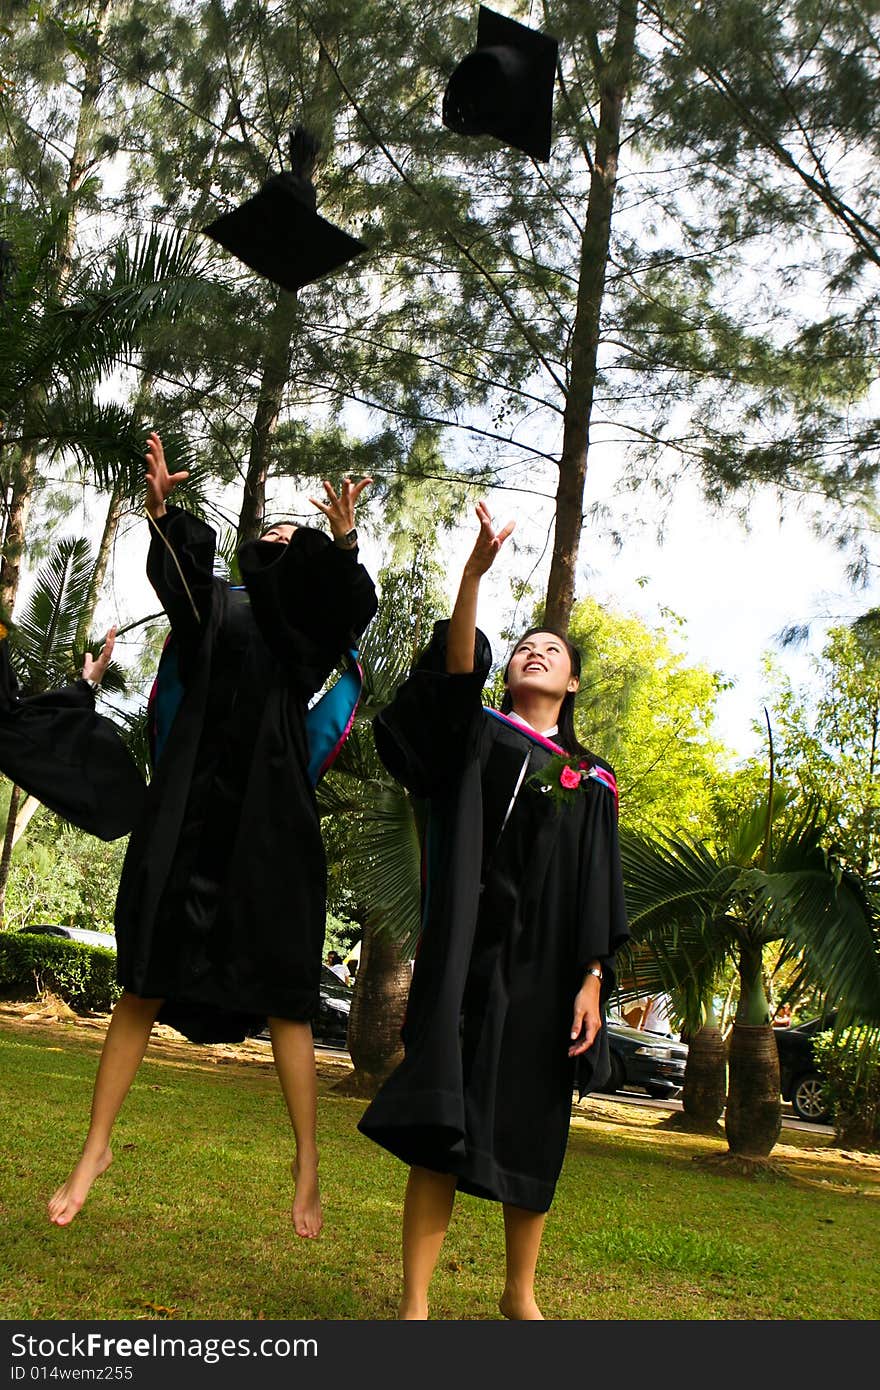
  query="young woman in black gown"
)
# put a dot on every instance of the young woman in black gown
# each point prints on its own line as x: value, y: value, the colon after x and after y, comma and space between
x: 221, y: 907
x: 523, y: 913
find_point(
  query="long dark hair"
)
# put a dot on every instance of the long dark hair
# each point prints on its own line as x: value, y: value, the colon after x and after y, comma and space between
x: 566, y: 736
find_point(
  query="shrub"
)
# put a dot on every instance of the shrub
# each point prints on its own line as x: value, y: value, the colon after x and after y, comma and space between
x: 851, y: 1076
x: 83, y: 976
x: 60, y: 874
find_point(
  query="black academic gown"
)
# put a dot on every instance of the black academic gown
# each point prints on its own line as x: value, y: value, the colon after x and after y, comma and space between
x: 59, y: 750
x: 221, y: 906
x: 485, y: 1088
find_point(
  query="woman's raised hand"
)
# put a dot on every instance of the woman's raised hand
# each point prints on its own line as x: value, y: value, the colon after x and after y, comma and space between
x: 94, y: 668
x: 339, y: 510
x: 160, y: 483
x: 487, y: 544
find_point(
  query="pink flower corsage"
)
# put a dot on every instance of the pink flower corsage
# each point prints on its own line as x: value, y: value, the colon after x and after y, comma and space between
x: 570, y: 778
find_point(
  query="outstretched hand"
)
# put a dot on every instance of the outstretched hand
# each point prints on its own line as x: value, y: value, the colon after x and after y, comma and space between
x: 488, y: 542
x: 160, y: 483
x: 95, y: 668
x: 339, y: 510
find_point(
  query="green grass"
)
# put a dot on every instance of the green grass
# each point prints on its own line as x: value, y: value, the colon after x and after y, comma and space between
x: 193, y: 1216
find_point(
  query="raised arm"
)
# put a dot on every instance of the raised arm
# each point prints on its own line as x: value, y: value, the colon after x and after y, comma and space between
x: 463, y: 624
x: 311, y: 598
x: 180, y: 561
x: 429, y: 732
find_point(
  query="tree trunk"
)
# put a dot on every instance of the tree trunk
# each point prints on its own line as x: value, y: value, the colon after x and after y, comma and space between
x: 754, y: 1105
x: 613, y: 79
x: 26, y: 812
x: 380, y: 993
x: 274, y: 378
x: 19, y: 495
x: 25, y: 472
x: 705, y: 1076
x: 6, y: 856
x: 81, y: 158
x: 115, y: 509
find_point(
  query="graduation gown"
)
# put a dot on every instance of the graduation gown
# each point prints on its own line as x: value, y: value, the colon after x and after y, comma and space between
x: 221, y: 905
x: 516, y: 902
x: 58, y: 749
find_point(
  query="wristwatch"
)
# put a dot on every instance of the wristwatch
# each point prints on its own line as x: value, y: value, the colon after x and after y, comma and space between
x: 597, y: 971
x: 96, y: 685
x: 349, y: 540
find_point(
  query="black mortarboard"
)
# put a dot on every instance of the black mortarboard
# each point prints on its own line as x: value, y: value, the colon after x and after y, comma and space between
x: 505, y: 87
x: 279, y: 234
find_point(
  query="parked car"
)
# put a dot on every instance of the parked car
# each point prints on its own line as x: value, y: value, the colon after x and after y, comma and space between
x: 799, y: 1078
x: 648, y: 1060
x: 330, y: 1027
x: 105, y: 939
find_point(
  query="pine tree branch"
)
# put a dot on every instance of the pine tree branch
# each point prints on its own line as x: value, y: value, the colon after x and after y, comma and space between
x: 511, y: 311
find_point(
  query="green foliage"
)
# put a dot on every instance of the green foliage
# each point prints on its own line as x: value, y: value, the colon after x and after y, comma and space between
x: 43, y: 642
x: 650, y: 714
x: 850, y: 1069
x: 83, y: 976
x: 54, y: 354
x: 693, y: 906
x: 339, y: 935
x: 828, y: 740
x: 60, y: 875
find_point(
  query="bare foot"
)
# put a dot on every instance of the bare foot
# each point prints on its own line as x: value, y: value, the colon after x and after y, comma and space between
x: 307, y: 1216
x: 67, y: 1201
x: 519, y: 1307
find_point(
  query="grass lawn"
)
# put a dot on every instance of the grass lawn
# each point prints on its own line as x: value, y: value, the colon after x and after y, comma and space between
x: 192, y: 1221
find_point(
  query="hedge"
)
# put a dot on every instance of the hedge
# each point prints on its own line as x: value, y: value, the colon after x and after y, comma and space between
x: 83, y: 976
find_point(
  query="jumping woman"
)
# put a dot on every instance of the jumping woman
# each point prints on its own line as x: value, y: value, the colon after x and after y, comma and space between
x: 221, y: 908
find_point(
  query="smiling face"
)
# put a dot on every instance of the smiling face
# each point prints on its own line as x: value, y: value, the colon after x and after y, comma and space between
x: 280, y: 534
x: 541, y: 665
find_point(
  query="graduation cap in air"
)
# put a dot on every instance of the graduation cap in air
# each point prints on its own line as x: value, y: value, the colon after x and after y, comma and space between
x: 505, y: 87
x: 278, y: 233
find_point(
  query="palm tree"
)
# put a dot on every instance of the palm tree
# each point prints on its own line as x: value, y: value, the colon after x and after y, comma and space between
x: 771, y: 879
x: 678, y: 962
x: 379, y: 847
x: 381, y: 857
x: 55, y: 355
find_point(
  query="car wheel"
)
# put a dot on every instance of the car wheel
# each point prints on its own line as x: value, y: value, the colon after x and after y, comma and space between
x: 617, y: 1079
x: 807, y: 1100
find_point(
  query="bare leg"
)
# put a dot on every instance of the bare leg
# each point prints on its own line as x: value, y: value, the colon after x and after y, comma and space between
x: 522, y: 1242
x: 426, y: 1212
x: 294, y: 1053
x: 122, y: 1053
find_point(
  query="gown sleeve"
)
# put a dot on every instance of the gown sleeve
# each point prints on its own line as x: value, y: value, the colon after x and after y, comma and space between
x: 429, y: 730
x: 310, y: 599
x: 179, y: 536
x: 58, y: 749
x: 602, y: 921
